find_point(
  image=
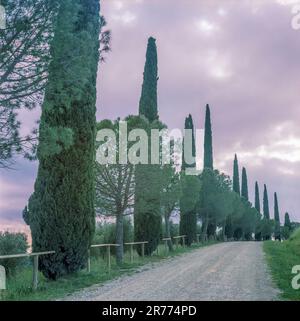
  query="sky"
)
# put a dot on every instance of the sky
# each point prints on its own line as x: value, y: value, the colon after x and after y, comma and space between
x: 240, y: 56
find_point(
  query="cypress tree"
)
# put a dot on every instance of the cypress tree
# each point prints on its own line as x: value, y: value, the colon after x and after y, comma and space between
x: 277, y: 218
x: 148, y: 100
x: 189, y: 125
x: 236, y: 176
x: 188, y: 215
x: 266, y: 204
x: 147, y: 216
x: 208, y: 148
x: 61, y: 209
x: 257, y: 199
x: 245, y: 194
x: 287, y: 221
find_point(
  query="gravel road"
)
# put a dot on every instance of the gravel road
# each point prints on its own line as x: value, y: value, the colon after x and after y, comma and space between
x: 225, y: 271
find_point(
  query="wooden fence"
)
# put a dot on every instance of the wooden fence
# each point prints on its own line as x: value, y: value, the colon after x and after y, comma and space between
x: 36, y: 255
x: 35, y: 266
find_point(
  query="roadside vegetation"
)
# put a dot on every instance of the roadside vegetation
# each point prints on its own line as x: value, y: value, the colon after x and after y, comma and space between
x: 19, y: 287
x: 282, y: 256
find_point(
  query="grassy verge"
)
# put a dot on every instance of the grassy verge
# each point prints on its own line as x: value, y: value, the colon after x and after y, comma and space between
x: 19, y: 287
x: 281, y: 258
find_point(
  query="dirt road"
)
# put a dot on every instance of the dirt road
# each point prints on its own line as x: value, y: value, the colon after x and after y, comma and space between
x: 225, y: 271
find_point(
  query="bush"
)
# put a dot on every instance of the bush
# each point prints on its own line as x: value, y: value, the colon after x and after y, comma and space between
x: 13, y: 243
x: 106, y: 234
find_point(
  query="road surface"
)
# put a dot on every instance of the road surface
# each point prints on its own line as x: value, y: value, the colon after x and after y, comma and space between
x: 225, y: 271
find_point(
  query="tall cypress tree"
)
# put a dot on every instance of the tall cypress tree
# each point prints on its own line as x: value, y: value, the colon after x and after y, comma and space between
x: 277, y: 218
x: 236, y: 176
x: 188, y: 215
x: 147, y: 216
x: 245, y: 194
x: 287, y: 221
x: 208, y: 147
x: 257, y: 199
x: 148, y: 100
x: 61, y: 209
x: 266, y: 204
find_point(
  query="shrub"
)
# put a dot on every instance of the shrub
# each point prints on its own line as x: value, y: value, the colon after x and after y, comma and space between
x: 106, y: 234
x: 13, y: 243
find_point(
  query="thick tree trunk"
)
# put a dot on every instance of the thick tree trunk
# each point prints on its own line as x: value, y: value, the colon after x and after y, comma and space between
x: 168, y: 232
x: 119, y: 238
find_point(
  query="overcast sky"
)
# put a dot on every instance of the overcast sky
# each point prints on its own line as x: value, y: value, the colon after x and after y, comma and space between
x: 241, y: 57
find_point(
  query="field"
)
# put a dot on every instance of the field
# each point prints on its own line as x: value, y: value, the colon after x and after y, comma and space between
x: 281, y: 258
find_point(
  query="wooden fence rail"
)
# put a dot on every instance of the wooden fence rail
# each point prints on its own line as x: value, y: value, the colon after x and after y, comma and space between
x: 131, y: 248
x: 176, y: 238
x: 108, y: 246
x: 35, y: 266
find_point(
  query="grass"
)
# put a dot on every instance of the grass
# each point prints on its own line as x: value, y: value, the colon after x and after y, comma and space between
x: 19, y: 287
x: 282, y: 256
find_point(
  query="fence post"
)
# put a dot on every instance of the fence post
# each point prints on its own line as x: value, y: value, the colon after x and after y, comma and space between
x: 89, y: 261
x: 35, y: 272
x: 183, y: 241
x: 108, y: 258
x: 143, y: 250
x: 131, y: 253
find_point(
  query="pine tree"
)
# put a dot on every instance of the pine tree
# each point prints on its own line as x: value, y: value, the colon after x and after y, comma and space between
x: 257, y: 199
x: 208, y: 148
x: 245, y: 194
x: 61, y: 210
x: 188, y: 215
x: 148, y: 100
x: 147, y: 216
x: 266, y: 204
x: 277, y: 218
x: 236, y: 176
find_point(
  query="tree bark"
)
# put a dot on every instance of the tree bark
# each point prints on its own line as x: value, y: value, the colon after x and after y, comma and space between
x: 119, y: 238
x: 168, y: 232
x: 204, y: 229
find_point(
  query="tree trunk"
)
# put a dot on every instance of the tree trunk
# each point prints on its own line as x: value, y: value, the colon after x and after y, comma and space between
x: 168, y: 232
x: 223, y: 232
x: 204, y: 229
x: 119, y: 238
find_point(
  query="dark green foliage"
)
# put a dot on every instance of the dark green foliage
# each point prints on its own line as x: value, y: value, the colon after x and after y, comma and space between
x: 244, y: 193
x: 276, y: 218
x: 236, y: 176
x: 190, y: 188
x: 61, y: 210
x: 229, y: 227
x: 208, y: 147
x: 266, y: 204
x: 188, y: 202
x: 148, y: 100
x: 288, y: 227
x: 191, y: 150
x: 12, y: 243
x: 287, y: 221
x: 147, y: 215
x: 257, y: 199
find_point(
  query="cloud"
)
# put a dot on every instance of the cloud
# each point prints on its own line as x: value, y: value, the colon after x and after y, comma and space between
x: 126, y: 17
x: 244, y: 63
